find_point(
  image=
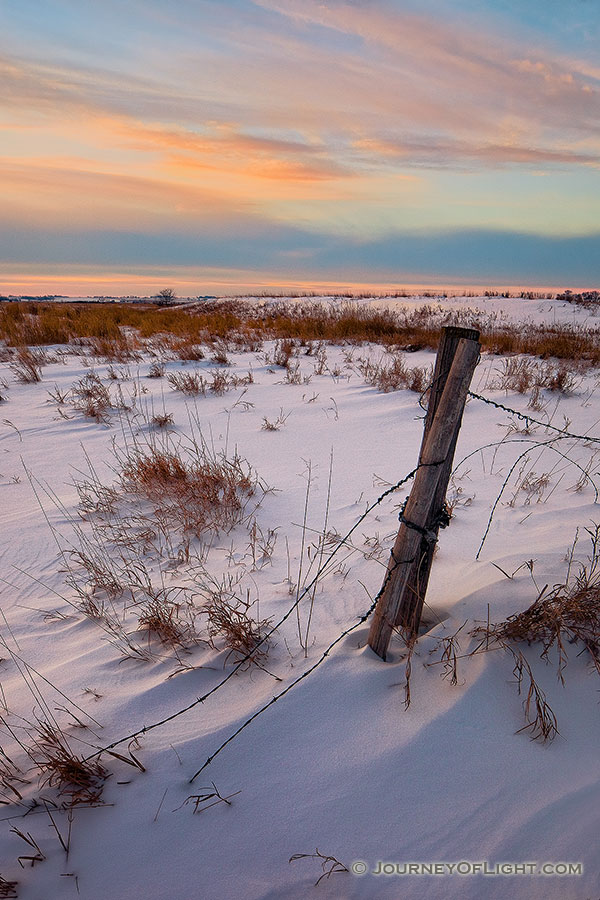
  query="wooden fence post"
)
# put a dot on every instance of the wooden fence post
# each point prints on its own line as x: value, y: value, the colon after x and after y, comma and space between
x: 435, y: 451
x: 412, y: 606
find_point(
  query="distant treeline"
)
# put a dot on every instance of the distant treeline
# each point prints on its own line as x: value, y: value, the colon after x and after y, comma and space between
x: 585, y: 298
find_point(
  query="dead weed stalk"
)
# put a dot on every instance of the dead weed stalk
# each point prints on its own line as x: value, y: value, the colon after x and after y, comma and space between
x: 329, y: 864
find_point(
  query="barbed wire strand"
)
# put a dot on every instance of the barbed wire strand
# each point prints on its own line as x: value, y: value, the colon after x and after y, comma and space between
x: 248, y: 656
x: 544, y: 444
x: 362, y: 619
x: 528, y: 419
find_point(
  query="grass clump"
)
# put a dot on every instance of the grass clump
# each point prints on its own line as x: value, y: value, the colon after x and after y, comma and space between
x: 156, y: 370
x: 395, y: 375
x: 92, y: 397
x: 189, y: 383
x: 522, y: 373
x: 231, y: 625
x: 161, y: 617
x: 162, y: 420
x: 194, y: 489
x: 568, y: 614
x: 27, y: 365
x: 82, y: 780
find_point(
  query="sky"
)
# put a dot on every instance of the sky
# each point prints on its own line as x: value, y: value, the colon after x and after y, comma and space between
x: 228, y: 145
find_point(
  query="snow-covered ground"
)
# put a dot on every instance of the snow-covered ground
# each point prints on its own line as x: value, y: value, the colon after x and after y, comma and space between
x: 337, y: 763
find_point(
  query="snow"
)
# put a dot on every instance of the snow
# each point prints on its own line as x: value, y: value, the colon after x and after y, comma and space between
x: 338, y: 763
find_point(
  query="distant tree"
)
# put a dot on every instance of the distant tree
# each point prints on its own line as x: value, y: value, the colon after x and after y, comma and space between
x: 166, y: 297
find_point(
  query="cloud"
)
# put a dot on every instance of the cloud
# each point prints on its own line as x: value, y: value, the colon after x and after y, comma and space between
x: 223, y: 147
x: 378, y: 72
x: 453, y: 64
x: 291, y: 254
x: 313, y: 120
x: 437, y: 153
x: 68, y: 190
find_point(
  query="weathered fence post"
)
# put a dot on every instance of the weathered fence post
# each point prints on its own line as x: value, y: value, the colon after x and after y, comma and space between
x: 412, y: 606
x: 438, y: 446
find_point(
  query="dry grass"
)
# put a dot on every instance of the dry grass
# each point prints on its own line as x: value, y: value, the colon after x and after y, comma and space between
x: 244, y: 325
x: 27, y: 364
x: 170, y: 501
x: 62, y: 768
x: 192, y: 490
x: 124, y: 347
x: 162, y: 420
x: 283, y: 352
x: 568, y: 614
x: 329, y: 864
x: 522, y: 373
x: 230, y: 622
x: 220, y: 383
x: 189, y: 383
x: 208, y: 799
x: 161, y: 617
x: 12, y: 779
x: 157, y: 370
x: 231, y: 626
x: 395, y: 375
x: 587, y: 299
x: 219, y: 355
x: 8, y: 889
x: 91, y: 396
x: 186, y: 349
x: 275, y: 424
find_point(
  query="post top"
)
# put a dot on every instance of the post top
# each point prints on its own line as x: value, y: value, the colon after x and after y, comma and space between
x: 471, y: 334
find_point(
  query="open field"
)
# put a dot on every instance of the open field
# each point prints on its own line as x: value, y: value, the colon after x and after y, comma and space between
x: 191, y: 520
x: 574, y: 334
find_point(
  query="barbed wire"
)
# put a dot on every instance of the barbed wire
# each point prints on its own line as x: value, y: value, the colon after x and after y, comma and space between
x: 544, y: 444
x: 391, y: 569
x: 362, y: 619
x: 248, y: 656
x: 529, y: 419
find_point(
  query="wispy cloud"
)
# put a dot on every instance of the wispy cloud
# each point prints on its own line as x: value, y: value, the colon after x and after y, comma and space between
x: 459, y: 67
x: 225, y: 148
x: 60, y: 191
x: 437, y: 153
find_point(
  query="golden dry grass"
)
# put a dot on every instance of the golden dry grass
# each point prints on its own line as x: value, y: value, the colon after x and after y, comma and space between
x: 244, y: 324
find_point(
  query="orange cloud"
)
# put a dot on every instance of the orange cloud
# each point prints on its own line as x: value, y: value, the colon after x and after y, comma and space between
x: 82, y: 280
x: 225, y: 148
x: 69, y: 192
